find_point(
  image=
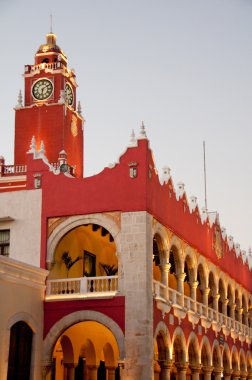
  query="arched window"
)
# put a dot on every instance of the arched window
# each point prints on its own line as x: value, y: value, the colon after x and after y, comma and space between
x: 19, y: 362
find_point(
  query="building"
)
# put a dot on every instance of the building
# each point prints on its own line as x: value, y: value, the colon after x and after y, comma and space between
x: 114, y: 276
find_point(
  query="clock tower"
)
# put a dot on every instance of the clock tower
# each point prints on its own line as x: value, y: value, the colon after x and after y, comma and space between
x: 49, y: 110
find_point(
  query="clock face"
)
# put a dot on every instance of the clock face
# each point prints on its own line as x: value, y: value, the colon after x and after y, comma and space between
x: 69, y: 94
x: 42, y: 89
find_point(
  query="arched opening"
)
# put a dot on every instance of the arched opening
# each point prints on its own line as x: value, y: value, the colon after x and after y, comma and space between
x: 230, y: 301
x: 235, y: 365
x: 216, y: 358
x: 201, y: 278
x: 86, y: 350
x: 156, y: 258
x: 222, y: 298
x: 161, y: 356
x: 205, y: 356
x: 174, y: 267
x: 226, y: 360
x: 237, y: 306
x: 20, y: 349
x: 244, y: 311
x: 193, y: 354
x: 212, y: 292
x: 178, y: 356
x: 84, y: 251
x: 189, y: 276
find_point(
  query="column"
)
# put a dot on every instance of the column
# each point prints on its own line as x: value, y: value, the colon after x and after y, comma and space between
x: 207, y: 372
x: 227, y: 374
x: 235, y: 375
x: 110, y: 373
x: 205, y: 296
x: 217, y: 373
x: 193, y: 286
x: 180, y: 282
x: 232, y: 310
x: 165, y: 370
x: 46, y: 368
x: 69, y: 371
x: 215, y: 301
x: 181, y: 370
x: 224, y: 306
x: 243, y: 375
x: 92, y: 372
x: 240, y: 311
x: 195, y: 371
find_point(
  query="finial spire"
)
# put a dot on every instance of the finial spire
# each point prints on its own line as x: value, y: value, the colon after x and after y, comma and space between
x: 142, y: 131
x: 51, y: 30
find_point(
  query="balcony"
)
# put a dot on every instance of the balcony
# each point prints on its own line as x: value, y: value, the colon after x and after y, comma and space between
x: 81, y: 288
x: 183, y: 305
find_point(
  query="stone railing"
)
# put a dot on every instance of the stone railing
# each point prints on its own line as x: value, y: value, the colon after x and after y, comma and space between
x: 82, y: 287
x: 12, y: 170
x: 183, y: 305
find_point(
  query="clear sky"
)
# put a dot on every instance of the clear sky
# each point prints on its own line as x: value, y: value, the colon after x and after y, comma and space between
x: 184, y: 67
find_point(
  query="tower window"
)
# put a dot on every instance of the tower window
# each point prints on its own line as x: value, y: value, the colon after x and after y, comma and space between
x: 4, y: 242
x: 45, y: 60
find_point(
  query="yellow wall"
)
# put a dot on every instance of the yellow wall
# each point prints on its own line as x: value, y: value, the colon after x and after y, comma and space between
x: 75, y: 242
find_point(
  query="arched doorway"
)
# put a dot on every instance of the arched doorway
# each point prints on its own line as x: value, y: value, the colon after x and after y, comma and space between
x: 19, y: 362
x: 86, y: 350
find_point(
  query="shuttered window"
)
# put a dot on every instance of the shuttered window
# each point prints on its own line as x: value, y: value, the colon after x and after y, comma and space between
x: 4, y: 242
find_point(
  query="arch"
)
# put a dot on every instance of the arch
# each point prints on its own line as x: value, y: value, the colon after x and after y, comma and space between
x: 80, y: 316
x: 201, y: 277
x: 222, y: 298
x: 193, y: 349
x: 109, y: 355
x: 67, y: 348
x: 76, y: 221
x: 22, y: 316
x: 179, y: 346
x: 216, y: 354
x: 189, y: 270
x: 230, y: 297
x: 160, y: 230
x: 226, y: 362
x: 163, y: 330
x: 205, y: 352
x: 234, y: 358
x: 88, y: 351
x: 242, y: 360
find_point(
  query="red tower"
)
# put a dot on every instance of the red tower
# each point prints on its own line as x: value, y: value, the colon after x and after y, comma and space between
x: 49, y: 111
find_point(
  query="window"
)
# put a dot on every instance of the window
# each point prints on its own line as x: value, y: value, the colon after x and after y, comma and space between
x: 4, y: 242
x: 89, y: 264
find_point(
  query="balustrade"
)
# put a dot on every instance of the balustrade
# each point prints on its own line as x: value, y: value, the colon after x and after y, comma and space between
x: 81, y: 287
x: 179, y: 300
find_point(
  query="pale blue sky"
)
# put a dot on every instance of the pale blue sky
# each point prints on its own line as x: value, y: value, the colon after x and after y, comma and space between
x: 182, y: 66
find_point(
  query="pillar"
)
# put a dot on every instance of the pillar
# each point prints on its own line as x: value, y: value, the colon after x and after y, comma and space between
x: 180, y: 282
x: 195, y: 371
x: 181, y: 371
x: 165, y: 370
x: 217, y: 373
x: 46, y: 368
x: 235, y: 375
x: 165, y: 267
x: 243, y: 375
x: 240, y: 311
x: 227, y: 374
x: 232, y: 310
x: 207, y: 372
x: 193, y: 287
x: 224, y: 306
x: 69, y: 371
x: 110, y: 373
x: 92, y: 372
x: 205, y: 296
x: 215, y: 301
